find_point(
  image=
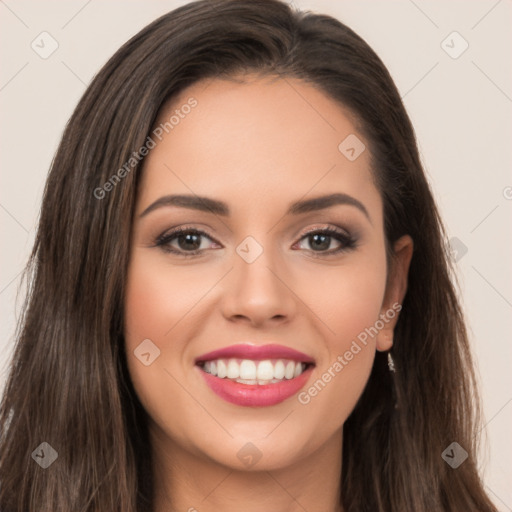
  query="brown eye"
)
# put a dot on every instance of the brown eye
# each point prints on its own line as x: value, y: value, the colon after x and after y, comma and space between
x: 183, y: 241
x: 320, y: 241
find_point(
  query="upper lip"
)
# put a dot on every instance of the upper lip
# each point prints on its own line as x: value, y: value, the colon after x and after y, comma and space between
x: 256, y: 352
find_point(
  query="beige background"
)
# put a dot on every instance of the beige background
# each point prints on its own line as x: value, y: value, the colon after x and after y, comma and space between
x: 461, y: 108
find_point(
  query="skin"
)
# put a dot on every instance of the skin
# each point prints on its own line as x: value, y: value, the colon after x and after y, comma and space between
x: 257, y: 145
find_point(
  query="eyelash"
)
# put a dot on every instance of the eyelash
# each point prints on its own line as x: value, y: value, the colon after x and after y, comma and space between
x: 347, y: 241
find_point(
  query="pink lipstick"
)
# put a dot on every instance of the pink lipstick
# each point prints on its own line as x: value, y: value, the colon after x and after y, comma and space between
x: 255, y: 376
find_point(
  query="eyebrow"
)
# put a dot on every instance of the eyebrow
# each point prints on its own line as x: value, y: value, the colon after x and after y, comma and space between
x: 216, y: 207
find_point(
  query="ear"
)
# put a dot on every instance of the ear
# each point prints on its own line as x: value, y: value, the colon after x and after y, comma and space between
x: 396, y: 287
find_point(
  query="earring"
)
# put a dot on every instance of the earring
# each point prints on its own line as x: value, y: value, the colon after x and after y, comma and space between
x: 391, y: 363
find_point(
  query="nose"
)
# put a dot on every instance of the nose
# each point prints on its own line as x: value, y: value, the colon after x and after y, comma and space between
x: 258, y: 293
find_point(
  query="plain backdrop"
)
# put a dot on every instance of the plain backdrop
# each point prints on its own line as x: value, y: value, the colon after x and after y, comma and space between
x: 460, y: 103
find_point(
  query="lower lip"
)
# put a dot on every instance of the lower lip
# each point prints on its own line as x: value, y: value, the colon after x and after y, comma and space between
x: 256, y: 395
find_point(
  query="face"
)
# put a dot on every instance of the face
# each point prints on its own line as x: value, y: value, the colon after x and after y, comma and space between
x: 296, y: 291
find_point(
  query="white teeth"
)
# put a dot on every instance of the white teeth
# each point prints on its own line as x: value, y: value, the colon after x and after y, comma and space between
x: 233, y: 369
x: 289, y: 370
x: 265, y: 370
x: 279, y: 370
x: 221, y: 369
x: 247, y: 371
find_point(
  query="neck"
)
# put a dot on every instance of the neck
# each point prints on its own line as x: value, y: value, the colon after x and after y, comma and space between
x: 194, y: 483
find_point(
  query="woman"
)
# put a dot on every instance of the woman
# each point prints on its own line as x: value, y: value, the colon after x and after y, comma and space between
x: 240, y: 294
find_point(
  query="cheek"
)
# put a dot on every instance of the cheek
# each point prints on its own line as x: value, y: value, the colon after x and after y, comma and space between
x: 159, y: 304
x: 349, y: 313
x: 156, y: 301
x: 346, y: 299
x: 159, y: 297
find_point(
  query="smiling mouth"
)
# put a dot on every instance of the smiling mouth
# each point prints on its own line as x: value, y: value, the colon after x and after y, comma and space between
x: 251, y: 375
x: 254, y: 372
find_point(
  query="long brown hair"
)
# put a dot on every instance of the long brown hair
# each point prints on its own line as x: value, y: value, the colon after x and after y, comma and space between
x: 69, y: 386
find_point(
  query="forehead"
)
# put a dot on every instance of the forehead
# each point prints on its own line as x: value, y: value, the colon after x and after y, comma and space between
x: 263, y: 139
